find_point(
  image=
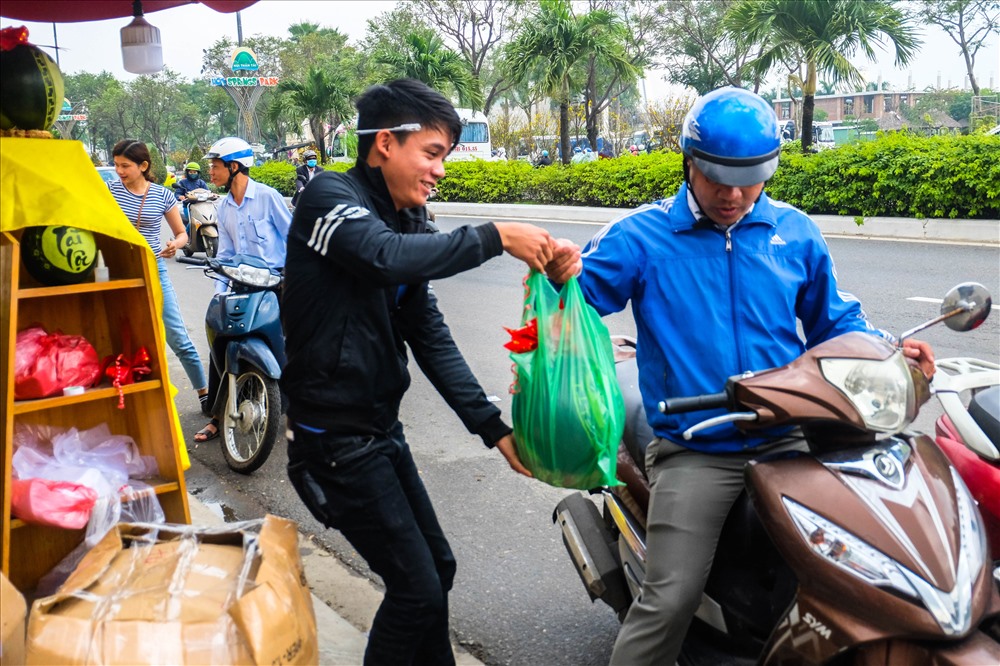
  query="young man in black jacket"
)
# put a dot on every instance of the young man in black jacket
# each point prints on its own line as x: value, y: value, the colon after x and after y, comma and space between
x: 355, y: 298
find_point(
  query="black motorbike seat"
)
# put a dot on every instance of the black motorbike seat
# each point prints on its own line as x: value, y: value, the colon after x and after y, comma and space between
x: 984, y: 408
x: 638, y: 434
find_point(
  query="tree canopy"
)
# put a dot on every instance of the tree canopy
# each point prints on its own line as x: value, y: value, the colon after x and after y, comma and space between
x: 820, y: 36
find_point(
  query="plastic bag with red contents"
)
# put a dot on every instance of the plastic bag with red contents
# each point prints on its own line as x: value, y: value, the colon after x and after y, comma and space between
x: 45, y: 364
x: 567, y: 409
x: 55, y: 503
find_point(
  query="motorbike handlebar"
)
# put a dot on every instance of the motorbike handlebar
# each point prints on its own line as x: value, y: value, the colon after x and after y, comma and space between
x: 193, y: 261
x: 694, y: 403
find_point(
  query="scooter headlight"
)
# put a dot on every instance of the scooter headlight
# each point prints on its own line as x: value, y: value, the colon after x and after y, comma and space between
x: 881, y: 391
x: 952, y: 609
x: 251, y: 276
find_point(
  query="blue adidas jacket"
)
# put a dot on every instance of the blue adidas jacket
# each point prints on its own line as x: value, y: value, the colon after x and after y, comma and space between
x: 710, y: 304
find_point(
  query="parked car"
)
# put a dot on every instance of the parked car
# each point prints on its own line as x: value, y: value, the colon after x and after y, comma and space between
x: 107, y: 174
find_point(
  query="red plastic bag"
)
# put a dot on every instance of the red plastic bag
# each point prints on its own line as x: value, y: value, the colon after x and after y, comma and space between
x: 54, y: 503
x: 45, y: 364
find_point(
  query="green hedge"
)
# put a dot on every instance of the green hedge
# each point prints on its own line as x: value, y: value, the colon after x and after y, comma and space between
x: 896, y: 175
x: 281, y: 175
x: 618, y: 183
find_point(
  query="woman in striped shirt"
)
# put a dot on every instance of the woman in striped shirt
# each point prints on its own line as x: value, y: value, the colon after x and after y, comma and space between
x: 146, y: 204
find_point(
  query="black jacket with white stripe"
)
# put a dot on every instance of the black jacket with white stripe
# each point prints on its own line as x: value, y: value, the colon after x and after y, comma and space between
x: 356, y: 296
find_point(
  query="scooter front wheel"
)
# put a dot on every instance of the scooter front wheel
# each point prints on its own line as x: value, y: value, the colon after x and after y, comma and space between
x: 211, y: 244
x: 248, y: 434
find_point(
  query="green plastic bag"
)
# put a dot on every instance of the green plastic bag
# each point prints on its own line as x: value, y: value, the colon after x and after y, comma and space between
x: 567, y: 407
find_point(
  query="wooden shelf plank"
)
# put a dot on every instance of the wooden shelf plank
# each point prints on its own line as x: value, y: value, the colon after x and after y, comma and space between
x: 102, y: 393
x: 160, y: 487
x: 85, y: 288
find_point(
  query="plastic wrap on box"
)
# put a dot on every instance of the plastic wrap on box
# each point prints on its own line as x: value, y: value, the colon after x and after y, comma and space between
x: 179, y: 594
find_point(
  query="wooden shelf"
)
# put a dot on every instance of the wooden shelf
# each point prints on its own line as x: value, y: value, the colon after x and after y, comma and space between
x: 159, y: 488
x: 113, y: 316
x: 90, y: 395
x: 85, y: 288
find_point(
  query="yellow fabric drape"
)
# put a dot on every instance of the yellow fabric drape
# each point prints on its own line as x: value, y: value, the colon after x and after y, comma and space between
x: 43, y: 181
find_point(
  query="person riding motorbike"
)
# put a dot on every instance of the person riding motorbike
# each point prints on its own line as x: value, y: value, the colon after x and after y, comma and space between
x: 191, y: 181
x: 544, y: 160
x: 252, y: 220
x: 304, y: 173
x: 171, y: 179
x: 746, y: 268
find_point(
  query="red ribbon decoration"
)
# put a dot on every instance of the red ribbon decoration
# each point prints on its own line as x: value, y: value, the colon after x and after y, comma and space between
x: 121, y: 370
x: 11, y: 37
x: 524, y: 339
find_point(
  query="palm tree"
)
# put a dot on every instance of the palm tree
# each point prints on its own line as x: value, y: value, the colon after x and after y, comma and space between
x: 297, y: 32
x: 552, y: 42
x: 426, y: 58
x: 821, y: 34
x: 322, y: 93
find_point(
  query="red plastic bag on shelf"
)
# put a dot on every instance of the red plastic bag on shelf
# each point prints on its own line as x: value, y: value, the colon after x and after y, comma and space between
x: 45, y: 364
x: 55, y: 503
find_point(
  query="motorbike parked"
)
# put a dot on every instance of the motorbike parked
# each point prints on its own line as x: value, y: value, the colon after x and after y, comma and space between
x: 247, y: 353
x: 970, y: 436
x: 866, y: 549
x: 202, y: 225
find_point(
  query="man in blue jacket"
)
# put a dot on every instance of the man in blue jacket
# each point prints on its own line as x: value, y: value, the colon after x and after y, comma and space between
x: 718, y: 276
x: 356, y: 304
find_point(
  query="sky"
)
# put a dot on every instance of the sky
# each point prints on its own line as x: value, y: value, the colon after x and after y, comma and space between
x: 185, y: 31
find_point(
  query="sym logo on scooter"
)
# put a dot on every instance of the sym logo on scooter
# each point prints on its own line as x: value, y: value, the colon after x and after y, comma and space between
x: 886, y: 466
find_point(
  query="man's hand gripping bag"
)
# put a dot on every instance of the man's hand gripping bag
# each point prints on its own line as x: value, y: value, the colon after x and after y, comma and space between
x: 567, y: 407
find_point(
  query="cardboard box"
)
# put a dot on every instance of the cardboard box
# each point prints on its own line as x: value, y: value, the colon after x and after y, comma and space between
x: 181, y: 595
x: 13, y: 611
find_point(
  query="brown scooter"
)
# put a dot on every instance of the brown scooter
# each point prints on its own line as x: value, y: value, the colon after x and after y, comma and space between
x: 868, y: 549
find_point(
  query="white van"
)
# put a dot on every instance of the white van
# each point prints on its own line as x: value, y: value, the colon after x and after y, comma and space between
x: 474, y: 144
x: 823, y: 135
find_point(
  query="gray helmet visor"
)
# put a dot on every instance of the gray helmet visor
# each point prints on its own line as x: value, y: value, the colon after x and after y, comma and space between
x: 737, y: 176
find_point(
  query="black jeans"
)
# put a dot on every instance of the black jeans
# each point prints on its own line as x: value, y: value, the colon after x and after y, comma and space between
x: 369, y: 489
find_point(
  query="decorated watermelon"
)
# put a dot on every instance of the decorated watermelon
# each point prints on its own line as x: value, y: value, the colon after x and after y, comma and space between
x: 32, y: 90
x: 58, y: 255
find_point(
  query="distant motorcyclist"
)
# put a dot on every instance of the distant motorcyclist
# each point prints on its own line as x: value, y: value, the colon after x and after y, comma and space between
x: 171, y: 179
x: 304, y: 173
x: 191, y: 181
x: 544, y: 160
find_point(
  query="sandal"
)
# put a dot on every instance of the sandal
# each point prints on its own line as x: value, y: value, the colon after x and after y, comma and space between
x: 207, y: 433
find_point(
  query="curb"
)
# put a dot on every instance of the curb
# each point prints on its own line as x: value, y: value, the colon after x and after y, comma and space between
x: 985, y: 232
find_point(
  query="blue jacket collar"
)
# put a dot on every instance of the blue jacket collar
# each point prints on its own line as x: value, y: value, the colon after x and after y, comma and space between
x: 681, y: 218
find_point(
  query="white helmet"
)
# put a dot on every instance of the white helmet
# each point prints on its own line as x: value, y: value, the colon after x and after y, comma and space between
x: 231, y: 149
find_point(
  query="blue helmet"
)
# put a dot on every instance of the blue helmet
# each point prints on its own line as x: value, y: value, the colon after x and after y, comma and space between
x: 545, y: 153
x: 732, y: 136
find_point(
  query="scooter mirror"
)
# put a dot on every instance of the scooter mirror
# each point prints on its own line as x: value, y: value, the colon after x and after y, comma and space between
x: 974, y: 303
x: 964, y: 308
